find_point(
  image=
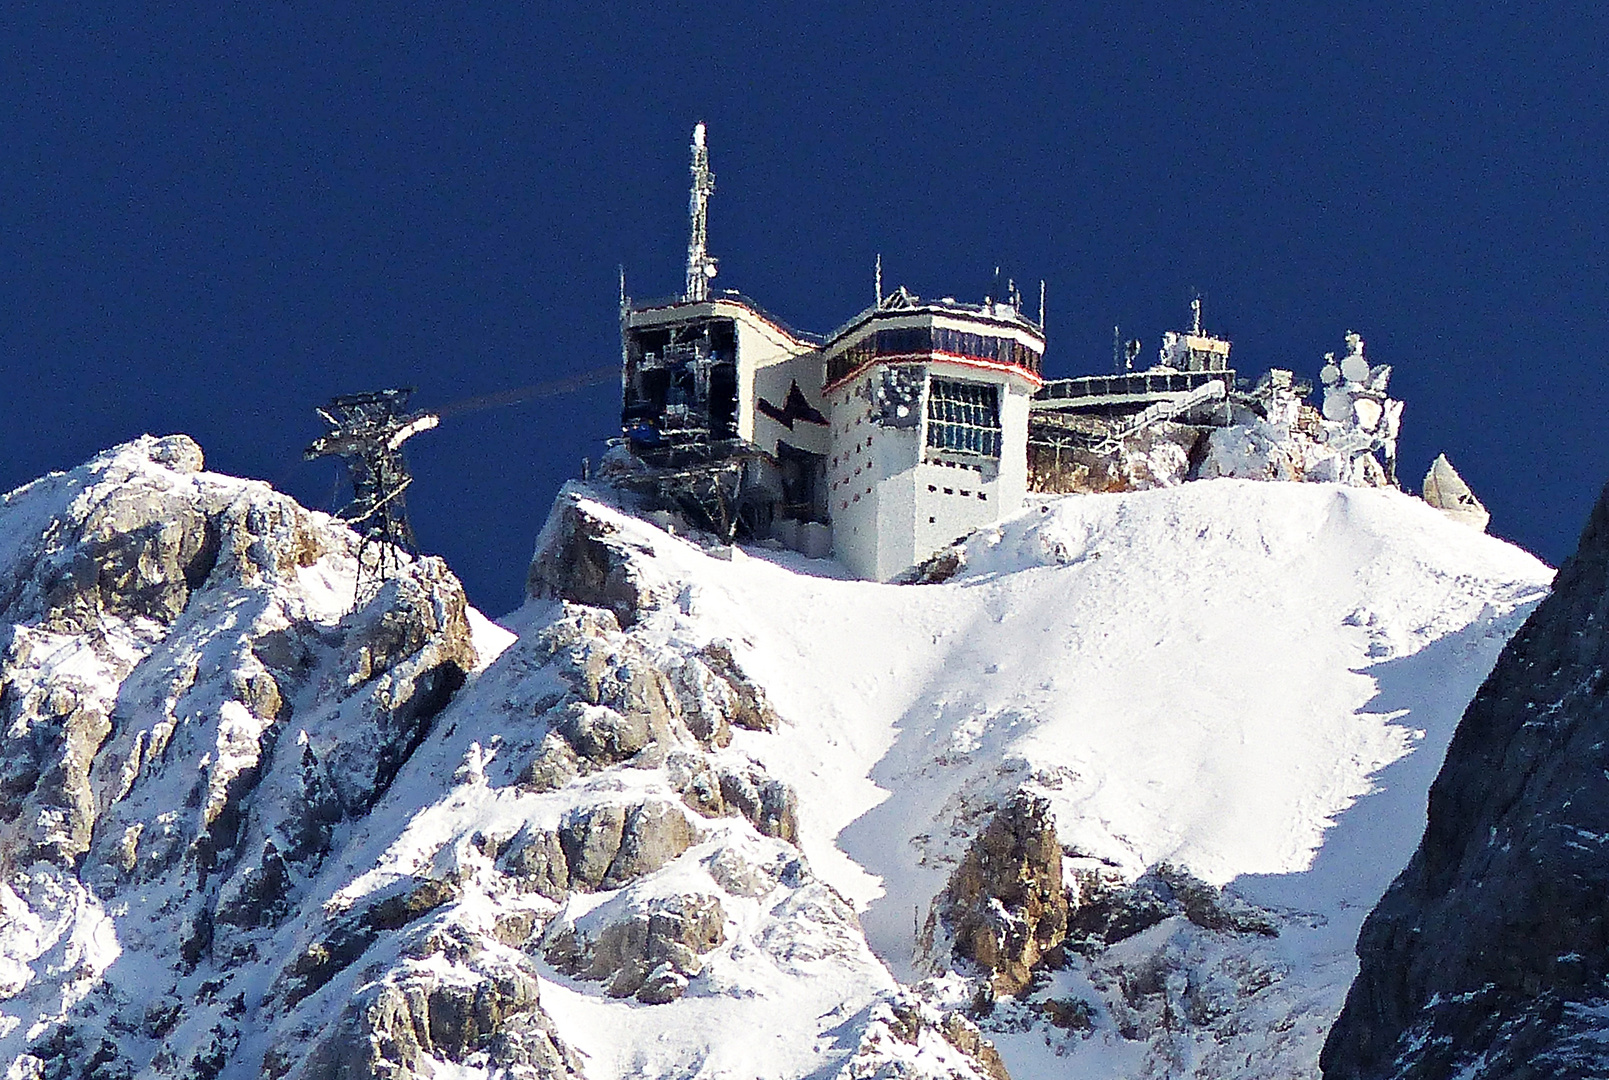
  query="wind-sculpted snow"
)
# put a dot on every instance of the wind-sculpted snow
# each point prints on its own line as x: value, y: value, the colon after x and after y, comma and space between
x: 707, y: 810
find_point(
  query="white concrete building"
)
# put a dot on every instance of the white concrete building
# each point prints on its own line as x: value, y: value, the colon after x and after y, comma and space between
x: 928, y: 406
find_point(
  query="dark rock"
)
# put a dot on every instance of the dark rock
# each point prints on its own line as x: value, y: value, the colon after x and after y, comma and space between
x: 751, y: 708
x: 590, y: 837
x: 535, y: 859
x: 554, y: 765
x: 408, y: 651
x: 693, y: 778
x: 654, y: 834
x: 936, y: 568
x: 1103, y: 912
x: 905, y: 1021
x: 654, y: 949
x: 602, y: 735
x: 771, y: 806
x: 400, y: 1026
x: 603, y: 846
x: 1489, y: 955
x: 404, y: 906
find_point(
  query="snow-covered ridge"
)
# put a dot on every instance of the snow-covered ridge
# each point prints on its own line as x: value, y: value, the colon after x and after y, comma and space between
x: 248, y: 832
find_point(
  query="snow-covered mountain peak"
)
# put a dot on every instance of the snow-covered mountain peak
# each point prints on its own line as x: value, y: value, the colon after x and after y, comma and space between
x: 1116, y: 791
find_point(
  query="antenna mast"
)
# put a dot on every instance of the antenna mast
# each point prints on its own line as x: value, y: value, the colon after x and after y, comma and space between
x: 1195, y: 314
x: 878, y: 280
x: 367, y: 432
x: 700, y: 266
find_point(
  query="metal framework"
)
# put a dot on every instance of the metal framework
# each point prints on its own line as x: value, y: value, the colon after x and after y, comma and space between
x: 367, y: 433
x: 700, y: 264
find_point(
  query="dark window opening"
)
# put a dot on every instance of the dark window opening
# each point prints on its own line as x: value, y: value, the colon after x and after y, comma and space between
x: 917, y: 340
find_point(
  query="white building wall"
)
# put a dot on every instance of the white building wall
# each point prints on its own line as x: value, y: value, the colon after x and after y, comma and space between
x: 950, y: 503
x: 870, y: 487
x: 893, y: 503
x: 1013, y: 485
x: 771, y: 380
x: 762, y: 347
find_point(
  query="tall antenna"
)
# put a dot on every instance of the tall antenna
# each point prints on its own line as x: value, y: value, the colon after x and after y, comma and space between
x: 1195, y: 314
x: 1117, y: 351
x: 367, y: 432
x: 878, y: 280
x: 1041, y: 305
x: 700, y: 266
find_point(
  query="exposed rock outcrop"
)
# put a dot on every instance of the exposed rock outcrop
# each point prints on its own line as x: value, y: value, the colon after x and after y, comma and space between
x: 582, y: 558
x: 1004, y: 907
x: 906, y: 1038
x: 1103, y: 912
x: 448, y: 1002
x: 1446, y: 491
x: 647, y: 947
x: 1489, y: 955
x: 163, y: 628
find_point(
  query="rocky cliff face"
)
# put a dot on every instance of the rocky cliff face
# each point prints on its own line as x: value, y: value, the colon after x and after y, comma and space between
x: 246, y: 831
x: 1489, y: 956
x: 191, y: 716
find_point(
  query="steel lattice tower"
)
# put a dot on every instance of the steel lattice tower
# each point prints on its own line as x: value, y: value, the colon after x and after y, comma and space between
x: 367, y: 432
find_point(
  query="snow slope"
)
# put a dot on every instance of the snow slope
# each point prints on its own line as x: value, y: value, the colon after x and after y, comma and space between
x: 1209, y: 675
x: 239, y: 840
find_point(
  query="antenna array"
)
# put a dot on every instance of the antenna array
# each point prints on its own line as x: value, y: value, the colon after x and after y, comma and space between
x: 700, y: 265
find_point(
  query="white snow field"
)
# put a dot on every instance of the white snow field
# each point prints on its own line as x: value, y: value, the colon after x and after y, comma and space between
x: 1256, y: 681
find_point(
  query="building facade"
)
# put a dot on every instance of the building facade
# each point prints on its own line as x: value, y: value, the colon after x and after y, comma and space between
x: 928, y: 412
x: 881, y: 444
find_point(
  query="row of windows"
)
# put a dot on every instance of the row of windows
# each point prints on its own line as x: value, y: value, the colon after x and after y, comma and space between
x: 913, y: 340
x: 983, y: 496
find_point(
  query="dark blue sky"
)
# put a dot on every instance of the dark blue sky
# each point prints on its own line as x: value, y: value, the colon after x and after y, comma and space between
x: 212, y: 220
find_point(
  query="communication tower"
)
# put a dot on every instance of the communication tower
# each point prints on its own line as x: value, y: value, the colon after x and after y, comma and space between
x: 700, y: 264
x: 367, y: 432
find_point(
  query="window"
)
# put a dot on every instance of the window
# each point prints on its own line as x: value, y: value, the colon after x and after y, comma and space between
x: 902, y: 342
x: 998, y: 350
x: 964, y: 417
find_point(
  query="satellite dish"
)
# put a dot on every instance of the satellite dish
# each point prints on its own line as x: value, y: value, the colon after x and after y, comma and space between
x: 1330, y: 375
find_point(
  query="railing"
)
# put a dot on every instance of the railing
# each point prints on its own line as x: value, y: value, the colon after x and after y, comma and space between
x: 1131, y: 384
